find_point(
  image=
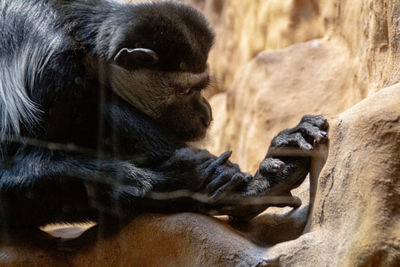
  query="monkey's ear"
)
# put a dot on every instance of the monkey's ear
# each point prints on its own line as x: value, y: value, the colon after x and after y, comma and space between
x: 133, y: 58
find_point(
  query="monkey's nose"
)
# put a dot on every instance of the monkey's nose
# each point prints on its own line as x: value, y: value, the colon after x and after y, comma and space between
x: 205, y: 120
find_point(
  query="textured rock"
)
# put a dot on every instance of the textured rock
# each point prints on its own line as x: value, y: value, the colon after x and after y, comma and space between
x: 369, y: 28
x: 245, y: 28
x: 356, y: 217
x: 372, y: 33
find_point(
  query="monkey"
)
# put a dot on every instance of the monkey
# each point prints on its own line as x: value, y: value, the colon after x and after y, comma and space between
x: 98, y: 102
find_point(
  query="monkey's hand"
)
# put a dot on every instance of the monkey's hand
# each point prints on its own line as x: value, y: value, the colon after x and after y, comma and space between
x: 284, y: 168
x: 288, y: 160
x: 221, y: 177
x: 205, y: 174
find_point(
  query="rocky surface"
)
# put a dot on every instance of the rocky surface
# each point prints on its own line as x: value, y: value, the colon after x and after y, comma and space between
x: 369, y: 29
x: 329, y: 56
x: 356, y: 216
x: 357, y: 53
x: 245, y: 28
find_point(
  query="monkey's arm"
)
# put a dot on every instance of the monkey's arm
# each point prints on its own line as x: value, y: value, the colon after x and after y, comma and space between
x: 39, y: 186
x: 216, y: 181
x: 185, y: 168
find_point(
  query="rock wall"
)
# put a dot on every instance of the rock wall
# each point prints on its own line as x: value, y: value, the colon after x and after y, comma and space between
x: 356, y: 215
x: 356, y: 54
x: 245, y: 28
x: 368, y: 27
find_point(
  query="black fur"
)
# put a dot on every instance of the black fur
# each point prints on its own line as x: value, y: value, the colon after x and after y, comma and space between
x: 72, y: 150
x: 116, y: 152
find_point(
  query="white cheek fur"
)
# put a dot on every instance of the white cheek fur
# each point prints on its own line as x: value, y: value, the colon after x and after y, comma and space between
x: 150, y: 90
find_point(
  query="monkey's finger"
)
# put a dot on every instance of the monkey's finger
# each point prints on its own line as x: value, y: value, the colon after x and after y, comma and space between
x: 237, y: 180
x: 312, y: 133
x: 207, y: 163
x: 296, y: 203
x: 203, y: 156
x: 271, y: 165
x: 221, y: 179
x: 221, y: 160
x: 319, y: 121
x: 298, y: 140
x: 233, y: 166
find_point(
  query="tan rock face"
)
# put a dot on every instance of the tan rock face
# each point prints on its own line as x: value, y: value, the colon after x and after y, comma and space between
x: 369, y: 28
x: 356, y: 217
x: 245, y: 28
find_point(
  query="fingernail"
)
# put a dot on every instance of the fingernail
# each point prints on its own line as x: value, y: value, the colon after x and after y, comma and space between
x: 226, y: 153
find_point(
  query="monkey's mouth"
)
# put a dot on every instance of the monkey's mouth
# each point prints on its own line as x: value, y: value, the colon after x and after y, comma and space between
x: 192, y: 135
x: 188, y: 134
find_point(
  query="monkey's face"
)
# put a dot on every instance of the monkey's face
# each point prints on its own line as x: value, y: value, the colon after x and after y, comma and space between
x: 173, y: 99
x: 159, y: 65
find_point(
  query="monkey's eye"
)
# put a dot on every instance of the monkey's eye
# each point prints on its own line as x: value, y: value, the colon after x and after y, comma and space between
x: 188, y: 91
x: 201, y: 85
x: 193, y: 89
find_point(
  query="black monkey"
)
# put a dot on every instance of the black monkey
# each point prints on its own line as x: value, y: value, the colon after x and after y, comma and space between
x: 97, y: 101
